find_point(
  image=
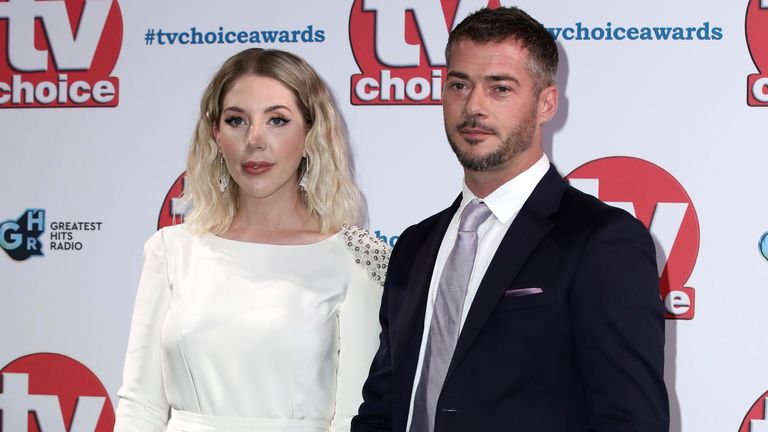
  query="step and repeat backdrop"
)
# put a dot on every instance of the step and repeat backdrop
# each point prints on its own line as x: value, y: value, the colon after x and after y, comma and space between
x: 663, y: 112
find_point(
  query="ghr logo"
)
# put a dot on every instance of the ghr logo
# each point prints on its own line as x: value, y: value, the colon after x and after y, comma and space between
x: 658, y: 200
x: 53, y: 393
x: 19, y: 238
x: 757, y: 40
x: 59, y: 53
x: 399, y: 46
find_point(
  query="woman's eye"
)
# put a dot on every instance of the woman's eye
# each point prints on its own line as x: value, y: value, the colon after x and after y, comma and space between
x: 234, y: 121
x: 278, y: 121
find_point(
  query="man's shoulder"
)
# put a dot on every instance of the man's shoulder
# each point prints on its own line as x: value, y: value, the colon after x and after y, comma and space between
x: 580, y: 209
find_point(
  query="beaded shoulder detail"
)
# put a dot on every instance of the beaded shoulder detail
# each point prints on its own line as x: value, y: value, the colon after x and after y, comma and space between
x: 369, y: 251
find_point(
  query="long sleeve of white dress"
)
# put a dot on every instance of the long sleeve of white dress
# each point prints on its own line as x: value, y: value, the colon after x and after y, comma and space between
x: 229, y: 335
x: 359, y: 340
x: 143, y: 405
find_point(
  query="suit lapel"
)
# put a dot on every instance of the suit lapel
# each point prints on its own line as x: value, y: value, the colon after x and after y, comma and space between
x: 526, y: 232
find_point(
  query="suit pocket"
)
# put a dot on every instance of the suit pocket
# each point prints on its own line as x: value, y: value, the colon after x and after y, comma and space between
x: 524, y: 297
x: 517, y: 292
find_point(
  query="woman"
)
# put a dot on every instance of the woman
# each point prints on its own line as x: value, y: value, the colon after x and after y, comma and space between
x: 260, y: 311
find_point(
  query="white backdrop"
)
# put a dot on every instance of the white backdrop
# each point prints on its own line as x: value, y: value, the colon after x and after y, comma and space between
x: 656, y: 120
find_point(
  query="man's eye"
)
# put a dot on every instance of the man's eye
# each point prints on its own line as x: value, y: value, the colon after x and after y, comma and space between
x: 503, y: 90
x: 458, y: 86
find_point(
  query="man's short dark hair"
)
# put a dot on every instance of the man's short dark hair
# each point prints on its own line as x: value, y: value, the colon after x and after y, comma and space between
x: 510, y: 23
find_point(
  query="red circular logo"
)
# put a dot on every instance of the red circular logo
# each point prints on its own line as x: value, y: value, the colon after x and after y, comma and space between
x: 656, y: 198
x: 756, y: 28
x: 52, y: 392
x: 756, y: 416
x: 174, y: 208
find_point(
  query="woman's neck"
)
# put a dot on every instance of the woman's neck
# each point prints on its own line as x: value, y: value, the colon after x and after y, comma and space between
x: 275, y: 220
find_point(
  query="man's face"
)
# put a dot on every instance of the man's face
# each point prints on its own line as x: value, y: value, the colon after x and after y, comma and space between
x: 490, y: 110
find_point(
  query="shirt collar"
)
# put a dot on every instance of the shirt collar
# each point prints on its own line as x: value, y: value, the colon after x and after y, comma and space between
x: 507, y: 200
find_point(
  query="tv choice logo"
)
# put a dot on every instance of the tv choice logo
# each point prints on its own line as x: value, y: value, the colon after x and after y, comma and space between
x: 762, y: 245
x: 20, y: 238
x: 174, y: 207
x: 52, y: 392
x: 756, y: 28
x: 756, y: 419
x: 657, y: 199
x: 59, y: 53
x: 399, y: 47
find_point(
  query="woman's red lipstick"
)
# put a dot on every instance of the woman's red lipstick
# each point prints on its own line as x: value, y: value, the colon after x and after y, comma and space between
x: 258, y: 167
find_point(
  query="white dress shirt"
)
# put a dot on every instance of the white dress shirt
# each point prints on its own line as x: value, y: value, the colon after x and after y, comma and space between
x: 505, y: 203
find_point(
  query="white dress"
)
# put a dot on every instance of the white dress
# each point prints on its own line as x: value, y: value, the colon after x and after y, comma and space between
x: 237, y: 336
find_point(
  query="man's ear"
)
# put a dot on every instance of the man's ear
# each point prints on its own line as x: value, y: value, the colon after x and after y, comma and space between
x: 547, y: 104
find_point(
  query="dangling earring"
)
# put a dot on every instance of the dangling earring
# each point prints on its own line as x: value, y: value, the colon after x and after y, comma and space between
x: 223, y: 176
x: 304, y: 175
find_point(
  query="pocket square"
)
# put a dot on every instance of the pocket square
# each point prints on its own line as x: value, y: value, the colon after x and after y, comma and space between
x: 522, y: 292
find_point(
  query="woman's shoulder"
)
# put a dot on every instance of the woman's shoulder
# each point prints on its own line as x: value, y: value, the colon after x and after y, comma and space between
x: 368, y: 251
x: 170, y: 236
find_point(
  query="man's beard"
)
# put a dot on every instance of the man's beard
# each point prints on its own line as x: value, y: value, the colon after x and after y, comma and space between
x: 518, y: 141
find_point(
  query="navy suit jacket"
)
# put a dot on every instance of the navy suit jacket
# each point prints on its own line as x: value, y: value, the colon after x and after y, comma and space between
x: 584, y: 354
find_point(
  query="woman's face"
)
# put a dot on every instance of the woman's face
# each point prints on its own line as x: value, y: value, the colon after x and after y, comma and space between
x: 261, y: 135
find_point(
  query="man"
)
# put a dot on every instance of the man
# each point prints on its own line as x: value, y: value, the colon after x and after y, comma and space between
x: 526, y: 305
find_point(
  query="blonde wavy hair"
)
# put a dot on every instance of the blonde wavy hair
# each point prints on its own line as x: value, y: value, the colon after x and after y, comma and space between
x: 331, y: 195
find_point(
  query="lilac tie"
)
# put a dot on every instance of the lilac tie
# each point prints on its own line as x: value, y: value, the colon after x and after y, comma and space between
x: 446, y: 317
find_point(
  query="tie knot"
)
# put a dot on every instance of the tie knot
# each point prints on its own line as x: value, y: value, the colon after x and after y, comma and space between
x: 474, y: 214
